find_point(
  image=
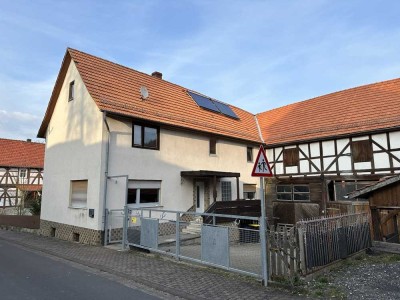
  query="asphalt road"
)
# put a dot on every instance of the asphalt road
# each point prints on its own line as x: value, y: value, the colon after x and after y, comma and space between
x: 34, y: 275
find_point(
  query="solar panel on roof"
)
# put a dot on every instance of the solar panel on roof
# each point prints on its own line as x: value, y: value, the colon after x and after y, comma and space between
x: 204, y: 102
x: 225, y: 109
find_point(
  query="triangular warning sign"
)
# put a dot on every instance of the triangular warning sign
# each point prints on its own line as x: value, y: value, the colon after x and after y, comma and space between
x: 261, y: 166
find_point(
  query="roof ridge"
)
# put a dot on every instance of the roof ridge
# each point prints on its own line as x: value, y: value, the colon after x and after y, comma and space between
x: 23, y: 141
x: 332, y: 93
x: 150, y: 76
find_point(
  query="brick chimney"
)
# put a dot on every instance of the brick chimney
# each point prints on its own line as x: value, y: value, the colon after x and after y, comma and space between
x: 157, y: 74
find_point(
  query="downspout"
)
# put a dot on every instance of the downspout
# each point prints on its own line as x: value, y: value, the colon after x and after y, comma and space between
x: 106, y: 179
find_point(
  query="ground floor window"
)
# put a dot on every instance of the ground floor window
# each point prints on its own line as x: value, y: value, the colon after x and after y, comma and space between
x: 78, y: 197
x: 249, y: 191
x: 144, y: 192
x: 293, y: 192
x: 226, y: 190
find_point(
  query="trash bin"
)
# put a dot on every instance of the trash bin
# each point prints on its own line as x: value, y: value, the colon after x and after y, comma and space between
x: 249, y: 233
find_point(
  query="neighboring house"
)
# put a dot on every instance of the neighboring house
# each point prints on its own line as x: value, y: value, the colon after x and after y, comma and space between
x: 21, y: 170
x: 323, y: 148
x: 109, y: 128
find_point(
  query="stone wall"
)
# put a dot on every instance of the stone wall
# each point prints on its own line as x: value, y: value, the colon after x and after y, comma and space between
x: 71, y: 233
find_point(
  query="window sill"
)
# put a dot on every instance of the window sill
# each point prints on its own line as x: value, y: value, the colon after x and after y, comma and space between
x: 213, y: 155
x: 147, y: 205
x: 76, y: 207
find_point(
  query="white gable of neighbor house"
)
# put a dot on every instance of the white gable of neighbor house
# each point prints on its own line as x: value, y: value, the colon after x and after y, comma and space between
x: 73, y: 152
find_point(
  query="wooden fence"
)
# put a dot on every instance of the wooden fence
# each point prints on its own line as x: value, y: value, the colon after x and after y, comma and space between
x: 283, y: 252
x: 325, y: 240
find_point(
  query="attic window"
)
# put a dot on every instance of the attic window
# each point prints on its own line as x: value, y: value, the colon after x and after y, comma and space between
x: 71, y: 92
x: 212, y: 105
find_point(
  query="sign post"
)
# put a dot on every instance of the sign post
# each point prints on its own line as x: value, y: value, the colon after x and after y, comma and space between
x: 262, y: 169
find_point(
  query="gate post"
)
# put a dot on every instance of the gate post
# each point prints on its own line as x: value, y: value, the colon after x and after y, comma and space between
x: 125, y: 228
x: 178, y: 236
x: 106, y: 234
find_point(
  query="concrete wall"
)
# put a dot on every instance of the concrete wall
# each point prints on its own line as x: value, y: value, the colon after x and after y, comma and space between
x: 73, y: 152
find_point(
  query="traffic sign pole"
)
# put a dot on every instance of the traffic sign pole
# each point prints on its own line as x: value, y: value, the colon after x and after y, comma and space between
x: 263, y: 235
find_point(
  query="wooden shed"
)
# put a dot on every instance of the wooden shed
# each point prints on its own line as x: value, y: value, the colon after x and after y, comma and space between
x: 384, y: 202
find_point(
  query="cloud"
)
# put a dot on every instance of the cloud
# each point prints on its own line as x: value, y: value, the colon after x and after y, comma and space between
x: 18, y: 125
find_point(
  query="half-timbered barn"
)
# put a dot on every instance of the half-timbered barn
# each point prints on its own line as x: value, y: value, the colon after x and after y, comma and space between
x: 384, y: 203
x: 326, y: 147
x: 21, y: 170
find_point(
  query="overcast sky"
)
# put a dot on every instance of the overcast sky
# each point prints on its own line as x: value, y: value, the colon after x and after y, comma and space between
x: 256, y: 55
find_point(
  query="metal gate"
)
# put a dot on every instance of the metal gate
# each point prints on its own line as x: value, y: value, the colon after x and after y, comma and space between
x: 229, y: 242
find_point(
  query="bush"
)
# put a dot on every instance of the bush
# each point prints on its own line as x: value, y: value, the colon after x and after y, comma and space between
x: 35, y: 206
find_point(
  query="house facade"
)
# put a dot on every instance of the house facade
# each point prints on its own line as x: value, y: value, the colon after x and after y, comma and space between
x: 323, y: 148
x: 117, y: 137
x: 21, y: 172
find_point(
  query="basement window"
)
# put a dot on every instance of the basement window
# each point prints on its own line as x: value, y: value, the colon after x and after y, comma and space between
x: 291, y: 192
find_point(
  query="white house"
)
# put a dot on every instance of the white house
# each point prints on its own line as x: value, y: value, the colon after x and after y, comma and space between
x: 109, y: 128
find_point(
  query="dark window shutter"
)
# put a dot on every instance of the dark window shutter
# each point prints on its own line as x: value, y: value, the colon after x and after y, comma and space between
x: 361, y: 151
x: 291, y: 157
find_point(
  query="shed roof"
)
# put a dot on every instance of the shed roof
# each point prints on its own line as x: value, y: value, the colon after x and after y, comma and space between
x: 385, y: 181
x: 14, y: 153
x: 116, y: 89
x: 361, y: 109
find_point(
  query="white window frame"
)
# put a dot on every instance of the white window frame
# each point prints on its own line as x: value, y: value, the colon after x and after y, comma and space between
x: 145, y: 184
x: 226, y: 194
x: 83, y: 186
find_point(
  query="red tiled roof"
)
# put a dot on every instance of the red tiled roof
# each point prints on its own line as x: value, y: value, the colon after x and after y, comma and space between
x: 357, y: 110
x: 116, y: 89
x: 15, y: 153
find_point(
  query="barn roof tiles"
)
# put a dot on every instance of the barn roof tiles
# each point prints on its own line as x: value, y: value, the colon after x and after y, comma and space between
x: 14, y: 153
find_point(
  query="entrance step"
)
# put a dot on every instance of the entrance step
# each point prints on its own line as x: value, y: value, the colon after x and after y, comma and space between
x: 194, y: 227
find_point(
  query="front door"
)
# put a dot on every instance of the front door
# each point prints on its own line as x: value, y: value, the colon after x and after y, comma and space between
x: 199, y: 196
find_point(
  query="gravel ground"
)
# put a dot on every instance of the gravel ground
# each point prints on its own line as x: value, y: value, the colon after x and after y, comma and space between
x: 370, y: 280
x: 364, y: 276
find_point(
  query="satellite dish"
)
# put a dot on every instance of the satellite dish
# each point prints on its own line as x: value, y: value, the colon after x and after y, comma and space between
x: 144, y: 93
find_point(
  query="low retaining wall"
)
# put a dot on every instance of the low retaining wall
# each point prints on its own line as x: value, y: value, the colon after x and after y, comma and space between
x: 31, y: 222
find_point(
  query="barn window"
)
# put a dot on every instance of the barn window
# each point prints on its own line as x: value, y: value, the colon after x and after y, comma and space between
x: 361, y: 151
x: 249, y: 154
x: 291, y: 157
x: 293, y: 192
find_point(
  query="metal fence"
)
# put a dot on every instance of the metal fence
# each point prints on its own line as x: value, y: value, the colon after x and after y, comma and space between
x: 114, y: 224
x: 229, y: 242
x: 325, y: 240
